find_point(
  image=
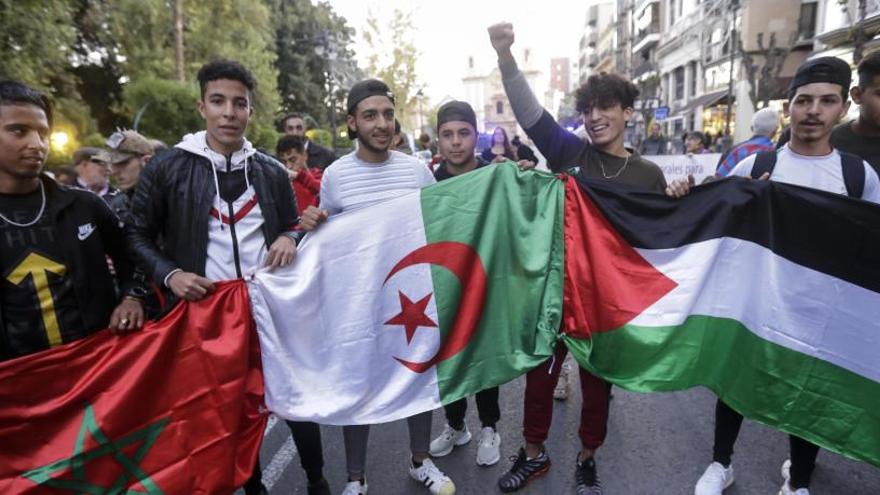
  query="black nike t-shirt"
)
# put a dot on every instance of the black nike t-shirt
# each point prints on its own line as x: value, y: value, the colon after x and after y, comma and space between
x: 39, y: 307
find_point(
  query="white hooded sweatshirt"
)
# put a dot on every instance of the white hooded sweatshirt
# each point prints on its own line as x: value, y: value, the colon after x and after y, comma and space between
x: 234, y: 229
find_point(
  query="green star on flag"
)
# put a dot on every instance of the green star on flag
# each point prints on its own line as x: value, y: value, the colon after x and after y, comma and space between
x: 45, y: 475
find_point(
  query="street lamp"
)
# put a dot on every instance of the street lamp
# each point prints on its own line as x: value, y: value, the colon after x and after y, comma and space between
x: 59, y: 140
x: 420, y: 95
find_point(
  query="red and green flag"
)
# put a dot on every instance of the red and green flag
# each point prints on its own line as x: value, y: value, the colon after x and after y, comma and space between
x: 766, y: 293
x: 173, y: 409
x: 405, y: 306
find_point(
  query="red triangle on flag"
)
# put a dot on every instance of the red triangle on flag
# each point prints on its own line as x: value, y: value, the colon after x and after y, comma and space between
x: 607, y: 282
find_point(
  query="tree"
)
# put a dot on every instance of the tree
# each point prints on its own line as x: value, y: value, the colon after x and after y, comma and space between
x: 169, y: 107
x: 764, y: 78
x: 393, y: 60
x: 35, y: 42
x: 151, y: 54
x: 312, y: 43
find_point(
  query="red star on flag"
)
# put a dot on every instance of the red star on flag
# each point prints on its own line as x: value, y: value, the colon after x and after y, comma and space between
x: 412, y: 315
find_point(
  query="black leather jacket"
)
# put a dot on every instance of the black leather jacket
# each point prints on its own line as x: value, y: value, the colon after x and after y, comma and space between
x: 173, y: 202
x: 97, y: 291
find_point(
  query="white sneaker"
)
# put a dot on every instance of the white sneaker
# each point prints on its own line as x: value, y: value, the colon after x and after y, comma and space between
x: 430, y: 475
x: 488, y: 447
x: 448, y: 440
x: 786, y: 476
x: 787, y: 490
x: 356, y: 487
x: 786, y: 470
x: 714, y: 480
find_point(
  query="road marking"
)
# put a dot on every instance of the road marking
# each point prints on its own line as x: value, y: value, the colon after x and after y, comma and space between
x: 270, y: 424
x: 272, y: 473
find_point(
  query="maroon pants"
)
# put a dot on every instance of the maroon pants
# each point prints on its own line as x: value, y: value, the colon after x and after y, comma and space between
x: 538, y: 403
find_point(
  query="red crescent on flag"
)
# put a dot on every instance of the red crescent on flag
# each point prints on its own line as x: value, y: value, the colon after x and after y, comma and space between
x: 464, y: 262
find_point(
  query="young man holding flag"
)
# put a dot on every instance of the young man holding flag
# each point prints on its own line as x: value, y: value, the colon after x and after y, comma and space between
x: 368, y: 176
x: 606, y: 103
x: 214, y: 208
x: 457, y: 140
x: 56, y: 285
x: 818, y: 100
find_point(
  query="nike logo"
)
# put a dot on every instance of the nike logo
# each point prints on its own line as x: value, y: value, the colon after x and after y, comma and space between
x: 85, y: 231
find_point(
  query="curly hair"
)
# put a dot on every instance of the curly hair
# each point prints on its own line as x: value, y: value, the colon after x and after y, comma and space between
x: 869, y: 68
x: 225, y: 69
x: 605, y: 90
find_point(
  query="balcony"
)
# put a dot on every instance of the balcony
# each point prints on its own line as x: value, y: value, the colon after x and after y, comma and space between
x: 646, y: 38
x: 644, y: 68
x: 592, y: 39
x: 640, y: 4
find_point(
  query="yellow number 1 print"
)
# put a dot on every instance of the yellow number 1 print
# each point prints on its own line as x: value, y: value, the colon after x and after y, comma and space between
x: 38, y: 267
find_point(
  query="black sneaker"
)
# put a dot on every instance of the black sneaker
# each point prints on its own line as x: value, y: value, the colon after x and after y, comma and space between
x: 319, y: 487
x: 523, y: 470
x: 586, y: 478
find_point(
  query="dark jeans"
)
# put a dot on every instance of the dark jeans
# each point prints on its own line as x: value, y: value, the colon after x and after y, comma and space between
x: 307, y: 438
x: 487, y: 407
x: 727, y: 426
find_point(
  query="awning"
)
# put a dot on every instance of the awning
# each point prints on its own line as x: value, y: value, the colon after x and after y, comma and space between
x: 705, y: 100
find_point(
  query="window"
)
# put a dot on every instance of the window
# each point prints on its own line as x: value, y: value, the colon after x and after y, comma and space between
x: 499, y: 108
x: 678, y: 77
x: 692, y: 89
x: 672, y: 11
x: 471, y: 62
x: 807, y: 21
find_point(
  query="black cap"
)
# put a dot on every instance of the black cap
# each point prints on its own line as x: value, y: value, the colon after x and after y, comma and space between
x: 456, y: 111
x: 821, y: 70
x: 366, y: 89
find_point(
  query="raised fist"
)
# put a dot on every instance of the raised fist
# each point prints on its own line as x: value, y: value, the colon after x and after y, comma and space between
x: 501, y: 36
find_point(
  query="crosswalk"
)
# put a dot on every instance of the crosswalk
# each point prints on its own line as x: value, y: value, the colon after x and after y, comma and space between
x: 281, y: 458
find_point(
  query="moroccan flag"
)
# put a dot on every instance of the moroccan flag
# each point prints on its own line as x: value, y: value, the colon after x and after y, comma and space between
x: 401, y: 307
x: 766, y: 293
x: 171, y: 409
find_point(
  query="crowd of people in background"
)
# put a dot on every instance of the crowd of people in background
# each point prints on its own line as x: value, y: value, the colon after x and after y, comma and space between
x: 152, y: 225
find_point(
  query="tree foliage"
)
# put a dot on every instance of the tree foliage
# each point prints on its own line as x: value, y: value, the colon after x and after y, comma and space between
x: 312, y: 42
x: 393, y: 60
x: 104, y: 60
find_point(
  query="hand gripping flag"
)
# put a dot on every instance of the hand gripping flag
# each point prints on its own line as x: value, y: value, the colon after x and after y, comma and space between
x: 766, y: 293
x: 173, y: 409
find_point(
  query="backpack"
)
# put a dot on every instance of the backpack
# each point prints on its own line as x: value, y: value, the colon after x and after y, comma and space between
x: 853, y: 170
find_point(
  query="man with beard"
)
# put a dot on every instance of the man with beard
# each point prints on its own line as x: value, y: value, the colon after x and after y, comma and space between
x: 49, y: 228
x: 606, y: 103
x: 818, y: 100
x: 370, y: 175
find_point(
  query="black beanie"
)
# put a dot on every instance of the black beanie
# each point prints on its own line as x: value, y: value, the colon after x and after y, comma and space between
x: 821, y: 70
x: 456, y: 111
x: 366, y: 89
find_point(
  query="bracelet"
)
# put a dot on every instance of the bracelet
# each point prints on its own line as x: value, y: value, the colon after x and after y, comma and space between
x: 132, y: 298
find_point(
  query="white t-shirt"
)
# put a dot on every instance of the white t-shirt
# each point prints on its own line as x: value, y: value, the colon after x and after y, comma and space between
x: 350, y: 183
x: 819, y: 172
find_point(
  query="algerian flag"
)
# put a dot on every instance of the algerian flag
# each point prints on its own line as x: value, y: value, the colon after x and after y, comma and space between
x: 404, y: 306
x: 768, y: 294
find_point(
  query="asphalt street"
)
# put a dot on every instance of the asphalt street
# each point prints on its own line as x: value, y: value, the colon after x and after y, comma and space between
x: 657, y: 444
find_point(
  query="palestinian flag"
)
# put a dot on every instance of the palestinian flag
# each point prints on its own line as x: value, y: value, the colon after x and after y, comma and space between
x: 401, y: 307
x: 768, y: 294
x: 174, y: 408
